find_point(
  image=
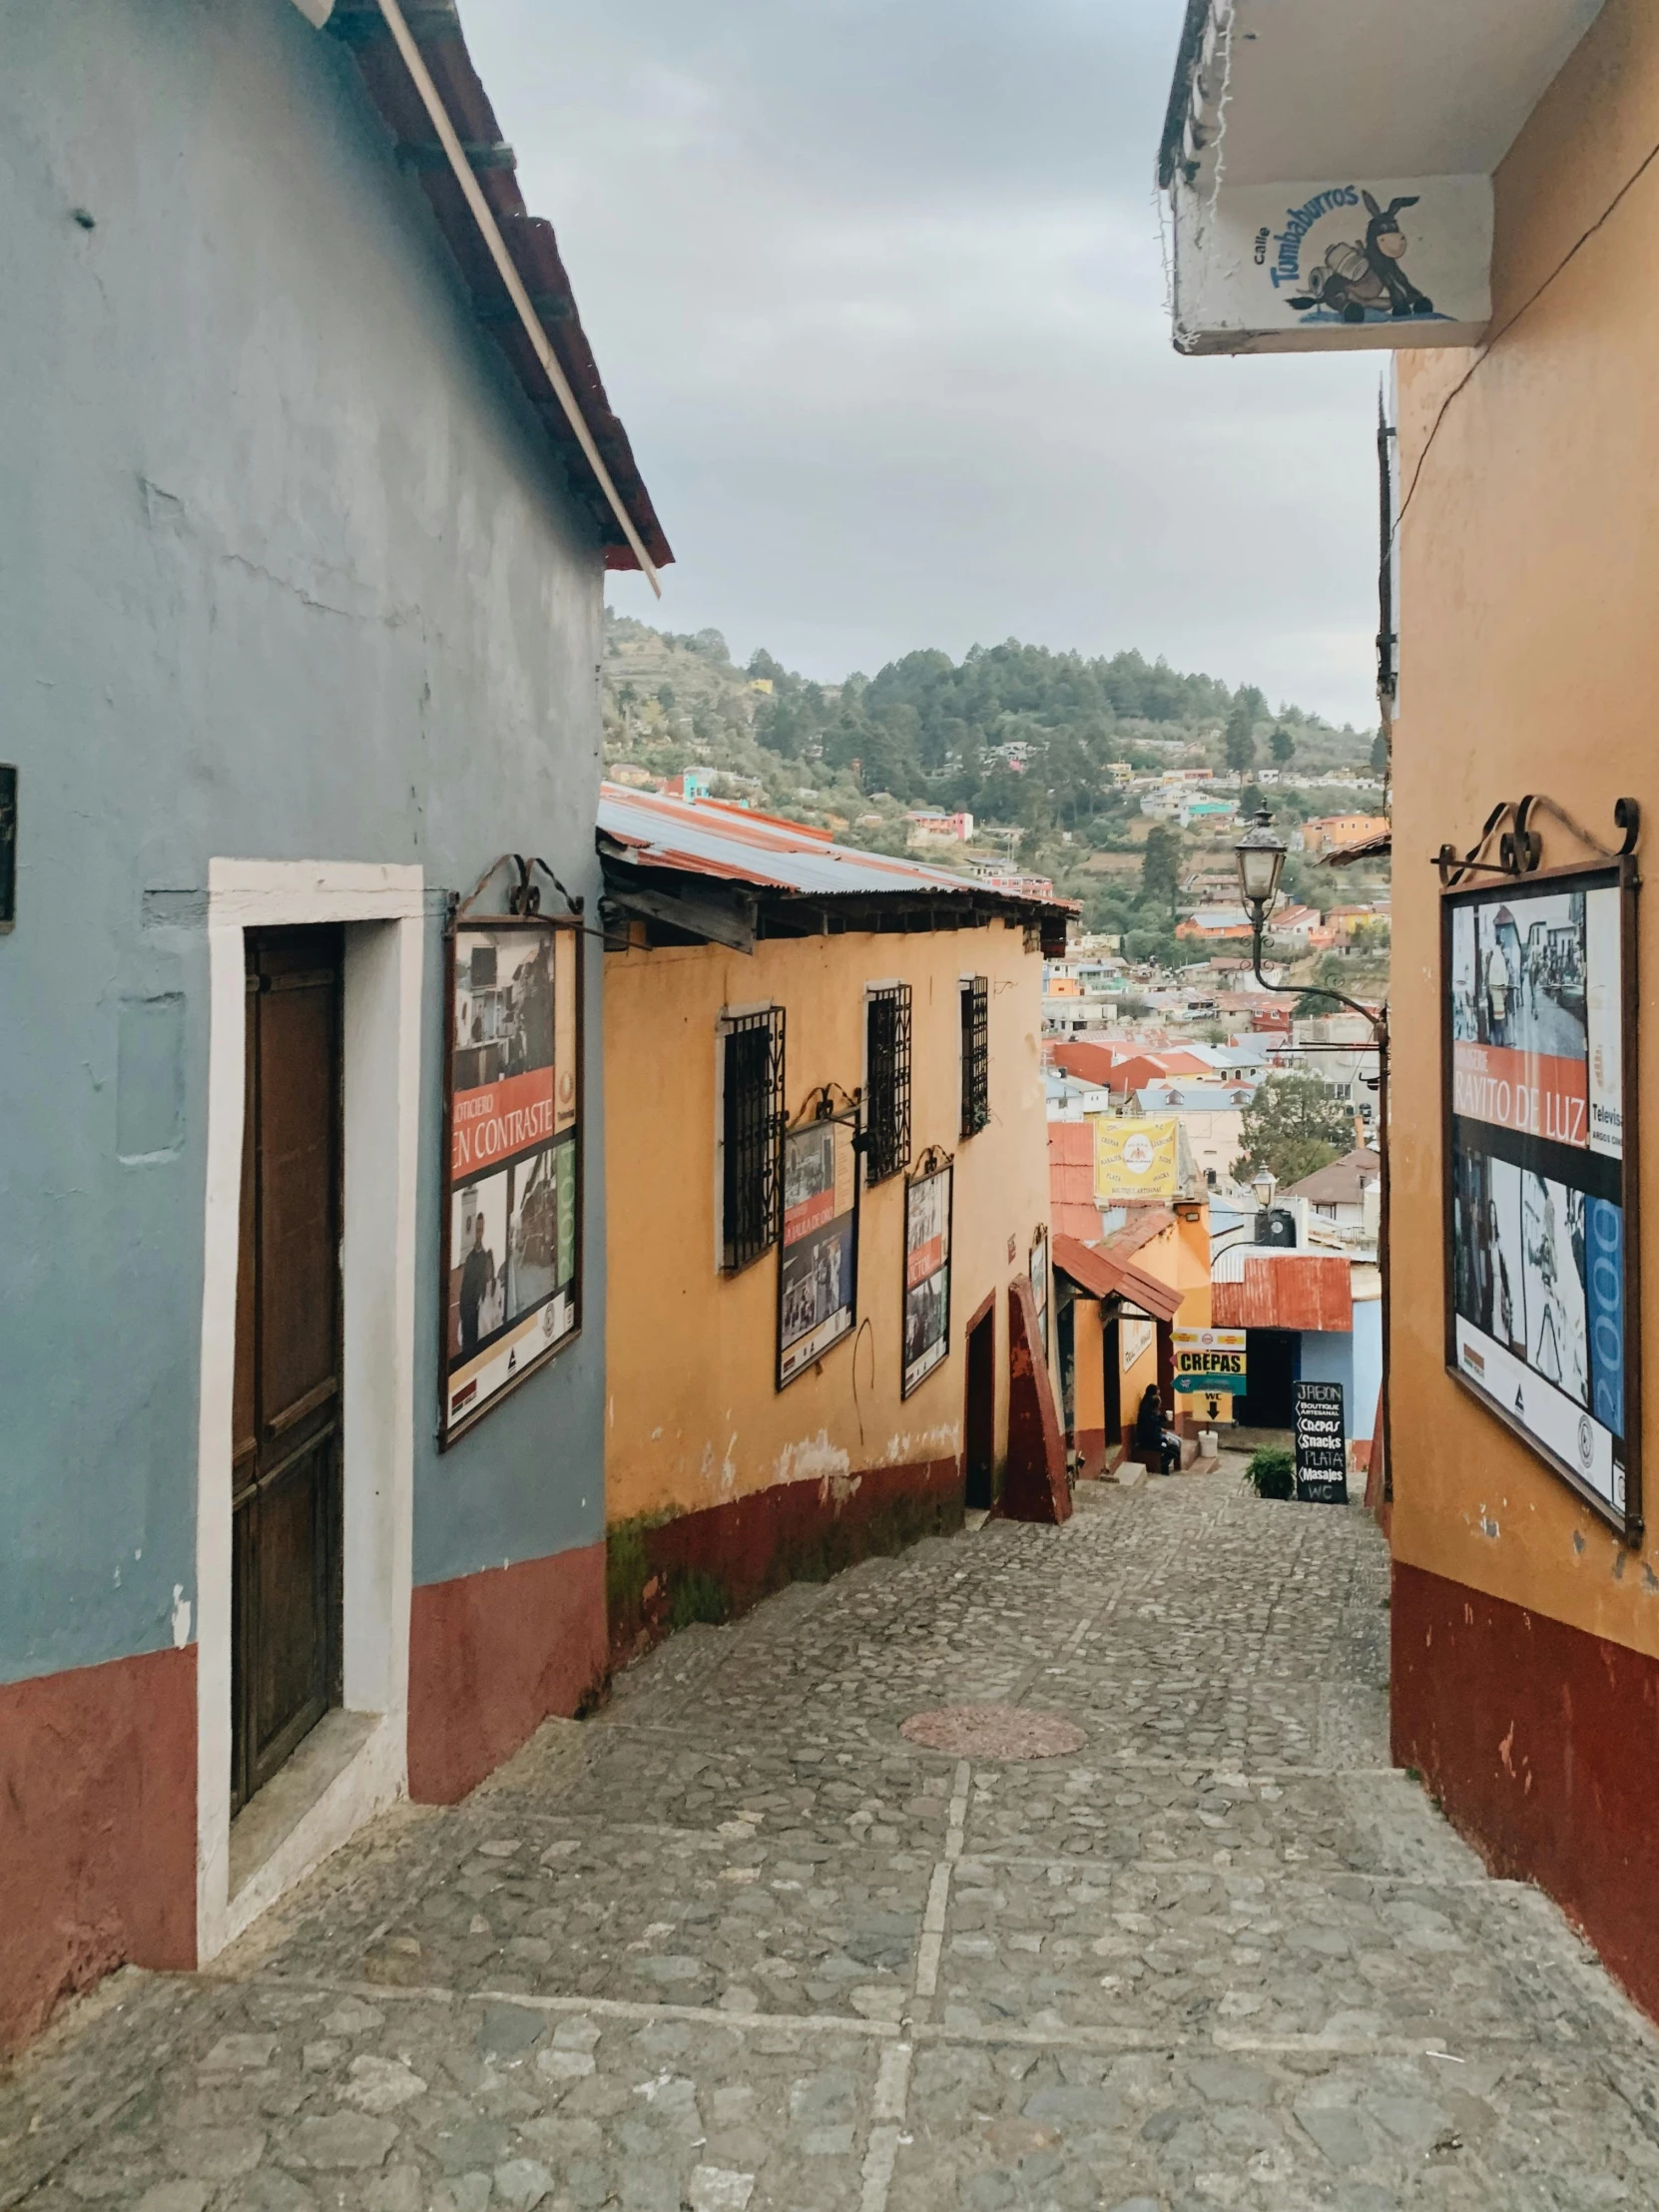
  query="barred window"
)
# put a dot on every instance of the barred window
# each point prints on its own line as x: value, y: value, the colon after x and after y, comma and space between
x: 886, y: 1081
x: 752, y: 1131
x: 976, y: 1054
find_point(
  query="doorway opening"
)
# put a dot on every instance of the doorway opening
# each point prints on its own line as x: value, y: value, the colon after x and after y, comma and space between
x: 1112, y: 1394
x: 307, y: 1438
x: 1273, y: 1362
x: 286, y: 1480
x: 979, y: 1424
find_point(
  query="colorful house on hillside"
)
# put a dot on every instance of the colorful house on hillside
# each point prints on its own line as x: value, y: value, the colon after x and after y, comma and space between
x: 828, y: 1267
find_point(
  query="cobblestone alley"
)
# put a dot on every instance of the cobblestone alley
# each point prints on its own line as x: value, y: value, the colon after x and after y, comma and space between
x: 739, y: 1943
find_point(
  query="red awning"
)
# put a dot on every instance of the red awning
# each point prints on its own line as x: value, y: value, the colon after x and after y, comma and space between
x: 1103, y: 1276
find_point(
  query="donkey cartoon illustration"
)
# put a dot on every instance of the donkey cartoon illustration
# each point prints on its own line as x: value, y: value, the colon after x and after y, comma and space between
x: 1358, y: 278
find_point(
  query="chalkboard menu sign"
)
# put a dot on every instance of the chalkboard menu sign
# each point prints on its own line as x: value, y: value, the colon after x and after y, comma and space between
x: 1320, y: 1445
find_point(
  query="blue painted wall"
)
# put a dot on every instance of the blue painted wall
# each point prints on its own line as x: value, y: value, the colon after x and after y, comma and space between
x: 286, y: 570
x: 1354, y: 1361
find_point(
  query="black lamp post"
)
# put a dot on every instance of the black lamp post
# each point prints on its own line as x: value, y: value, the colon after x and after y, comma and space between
x: 1260, y: 862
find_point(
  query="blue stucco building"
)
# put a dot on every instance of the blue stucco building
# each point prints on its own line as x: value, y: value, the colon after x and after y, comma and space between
x: 302, y: 560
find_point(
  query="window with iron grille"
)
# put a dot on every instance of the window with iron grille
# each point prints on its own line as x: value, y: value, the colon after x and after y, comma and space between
x: 976, y: 1054
x: 886, y: 1081
x: 751, y: 1129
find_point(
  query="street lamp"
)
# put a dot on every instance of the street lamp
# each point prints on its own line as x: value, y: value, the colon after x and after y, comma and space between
x: 1261, y: 860
x: 1264, y: 1185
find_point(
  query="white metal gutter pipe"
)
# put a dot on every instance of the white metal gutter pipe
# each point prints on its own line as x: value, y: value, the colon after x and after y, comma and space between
x: 318, y: 12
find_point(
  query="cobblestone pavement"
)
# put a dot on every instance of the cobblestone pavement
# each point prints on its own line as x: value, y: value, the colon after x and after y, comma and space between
x: 736, y: 1943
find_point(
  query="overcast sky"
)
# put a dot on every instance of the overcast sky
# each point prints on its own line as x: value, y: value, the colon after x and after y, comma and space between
x: 877, y: 288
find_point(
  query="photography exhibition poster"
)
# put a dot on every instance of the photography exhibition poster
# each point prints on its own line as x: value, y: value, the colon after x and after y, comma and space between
x: 1537, y: 1202
x: 818, y: 1253
x: 511, y: 1204
x: 927, y: 1206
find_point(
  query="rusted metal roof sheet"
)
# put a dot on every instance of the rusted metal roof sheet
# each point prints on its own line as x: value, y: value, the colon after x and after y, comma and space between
x: 736, y: 845
x: 1281, y: 1290
x: 1094, y: 1270
x: 530, y: 241
x: 1071, y: 1198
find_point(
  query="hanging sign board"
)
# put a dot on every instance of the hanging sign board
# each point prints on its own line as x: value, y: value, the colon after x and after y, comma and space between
x: 1209, y: 1362
x: 512, y: 1158
x: 1039, y: 1284
x: 818, y: 1254
x: 1540, y: 1102
x: 927, y: 1210
x: 1320, y: 1445
x: 1134, y: 1159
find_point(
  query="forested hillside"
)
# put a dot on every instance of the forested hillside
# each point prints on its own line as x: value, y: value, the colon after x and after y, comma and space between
x: 1018, y: 736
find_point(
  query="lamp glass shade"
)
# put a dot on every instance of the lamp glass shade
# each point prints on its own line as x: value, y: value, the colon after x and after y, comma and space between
x: 1264, y: 1185
x: 1261, y: 858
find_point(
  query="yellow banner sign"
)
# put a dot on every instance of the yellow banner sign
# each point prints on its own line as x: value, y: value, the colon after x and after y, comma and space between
x: 1210, y: 1361
x: 1134, y: 1159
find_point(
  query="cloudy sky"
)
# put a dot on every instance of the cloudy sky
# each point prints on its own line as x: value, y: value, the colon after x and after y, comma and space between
x: 877, y: 286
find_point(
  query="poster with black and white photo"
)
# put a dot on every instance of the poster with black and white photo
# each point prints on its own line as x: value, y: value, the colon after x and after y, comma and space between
x: 511, y: 1241
x: 1536, y: 1158
x: 927, y: 1206
x: 818, y: 1256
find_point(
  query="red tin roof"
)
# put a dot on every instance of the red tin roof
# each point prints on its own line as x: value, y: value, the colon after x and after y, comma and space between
x: 1102, y: 1276
x: 1290, y: 1290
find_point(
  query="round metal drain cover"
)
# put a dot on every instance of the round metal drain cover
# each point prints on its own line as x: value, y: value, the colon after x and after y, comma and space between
x: 992, y: 1731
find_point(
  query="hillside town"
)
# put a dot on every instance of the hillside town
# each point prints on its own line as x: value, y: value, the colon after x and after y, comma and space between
x: 846, y: 1413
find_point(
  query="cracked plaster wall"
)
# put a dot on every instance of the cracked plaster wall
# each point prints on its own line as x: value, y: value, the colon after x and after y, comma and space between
x: 286, y: 571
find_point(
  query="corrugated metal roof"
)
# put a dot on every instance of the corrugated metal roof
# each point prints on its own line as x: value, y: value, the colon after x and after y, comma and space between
x: 529, y: 240
x: 1094, y: 1270
x: 736, y: 846
x: 1071, y: 1198
x: 1255, y: 1288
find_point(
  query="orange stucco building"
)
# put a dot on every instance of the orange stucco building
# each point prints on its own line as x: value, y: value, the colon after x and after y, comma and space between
x: 1520, y: 655
x: 738, y: 1452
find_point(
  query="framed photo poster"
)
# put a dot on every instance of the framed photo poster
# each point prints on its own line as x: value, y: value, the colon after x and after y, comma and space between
x: 927, y: 1210
x: 818, y: 1254
x: 1539, y: 1100
x: 512, y: 1232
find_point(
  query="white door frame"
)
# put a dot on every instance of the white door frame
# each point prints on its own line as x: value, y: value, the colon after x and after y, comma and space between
x: 381, y: 906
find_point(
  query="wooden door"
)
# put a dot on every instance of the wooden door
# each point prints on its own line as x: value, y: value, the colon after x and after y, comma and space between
x: 979, y: 1426
x: 287, y: 1475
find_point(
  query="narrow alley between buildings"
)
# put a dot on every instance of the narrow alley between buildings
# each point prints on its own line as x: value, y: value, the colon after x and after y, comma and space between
x: 1168, y: 1932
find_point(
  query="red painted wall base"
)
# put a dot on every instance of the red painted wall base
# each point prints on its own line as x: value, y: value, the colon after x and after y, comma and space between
x: 491, y: 1656
x: 1541, y: 1742
x: 1034, y: 1486
x: 96, y: 1829
x: 725, y: 1558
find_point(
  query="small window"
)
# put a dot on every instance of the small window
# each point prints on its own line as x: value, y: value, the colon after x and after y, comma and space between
x: 752, y: 1127
x: 976, y: 1054
x: 886, y: 1081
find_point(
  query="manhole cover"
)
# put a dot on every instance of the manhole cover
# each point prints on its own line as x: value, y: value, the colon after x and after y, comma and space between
x: 992, y: 1731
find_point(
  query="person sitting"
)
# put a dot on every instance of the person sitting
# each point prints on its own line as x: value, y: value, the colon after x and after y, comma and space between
x: 1155, y: 1440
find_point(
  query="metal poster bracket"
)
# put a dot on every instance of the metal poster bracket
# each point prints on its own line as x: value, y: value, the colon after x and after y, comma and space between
x: 1521, y: 847
x: 932, y: 1162
x: 523, y: 895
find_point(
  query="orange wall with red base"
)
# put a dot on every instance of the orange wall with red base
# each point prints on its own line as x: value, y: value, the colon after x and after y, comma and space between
x: 1541, y: 1743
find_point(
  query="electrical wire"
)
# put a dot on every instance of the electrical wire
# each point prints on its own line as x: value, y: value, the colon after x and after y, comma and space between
x: 1505, y: 327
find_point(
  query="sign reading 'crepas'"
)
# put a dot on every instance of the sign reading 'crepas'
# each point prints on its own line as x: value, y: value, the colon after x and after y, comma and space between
x: 1210, y: 1359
